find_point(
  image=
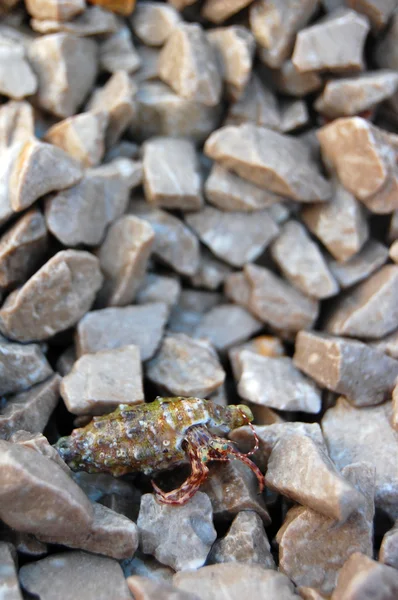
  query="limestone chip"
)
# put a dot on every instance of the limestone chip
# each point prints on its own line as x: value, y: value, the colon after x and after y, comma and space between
x: 226, y: 325
x: 368, y: 260
x: 93, y: 21
x: 378, y: 11
x: 159, y: 288
x: 218, y: 11
x: 9, y: 577
x: 118, y: 53
x: 389, y: 548
x: 257, y: 104
x: 59, y: 10
x: 17, y: 79
x: 23, y: 365
x: 40, y: 444
x: 144, y: 588
x: 211, y: 273
x: 154, y: 22
x: 289, y: 80
x: 263, y: 345
x: 363, y: 577
x: 294, y: 114
x: 16, y: 123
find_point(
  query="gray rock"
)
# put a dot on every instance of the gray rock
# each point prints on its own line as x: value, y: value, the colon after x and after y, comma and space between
x: 16, y: 123
x: 211, y: 273
x: 147, y: 589
x: 117, y: 52
x: 378, y: 12
x: 289, y: 80
x: 22, y: 365
x: 9, y: 577
x: 257, y: 105
x: 369, y: 259
x: 158, y: 288
x: 93, y: 21
x: 154, y: 22
x: 361, y: 576
x: 226, y: 325
x: 389, y: 548
x: 54, y: 9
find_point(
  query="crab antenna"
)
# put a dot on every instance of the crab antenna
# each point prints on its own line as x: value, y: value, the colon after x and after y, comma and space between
x: 257, y: 442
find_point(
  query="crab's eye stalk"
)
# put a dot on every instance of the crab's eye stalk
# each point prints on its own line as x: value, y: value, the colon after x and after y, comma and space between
x: 239, y: 415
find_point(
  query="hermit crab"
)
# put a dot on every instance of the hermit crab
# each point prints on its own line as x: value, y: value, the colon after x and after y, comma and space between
x: 152, y: 437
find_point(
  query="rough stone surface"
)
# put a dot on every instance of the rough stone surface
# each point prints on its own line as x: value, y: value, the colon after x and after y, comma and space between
x: 294, y: 114
x: 40, y: 444
x: 211, y: 273
x: 93, y: 21
x: 144, y: 565
x: 22, y: 365
x: 386, y: 50
x: 16, y: 123
x: 218, y: 11
x: 388, y: 344
x: 220, y: 230
x: 17, y: 78
x: 369, y: 259
x: 378, y: 11
x: 389, y: 548
x: 290, y: 81
x: 55, y: 298
x: 158, y: 288
x: 144, y: 588
x: 161, y: 528
x: 117, y: 327
x: 154, y: 22
x: 171, y: 174
x: 123, y: 257
x: 9, y: 585
x: 65, y: 575
x: 257, y: 105
x: 117, y: 52
x: 369, y: 310
x: 59, y: 10
x: 226, y: 325
x: 263, y: 345
x: 362, y: 577
x: 269, y: 159
x: 188, y: 64
x: 189, y: 311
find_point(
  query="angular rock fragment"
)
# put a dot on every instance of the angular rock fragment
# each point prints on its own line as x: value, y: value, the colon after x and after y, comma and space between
x: 211, y: 273
x: 23, y: 365
x: 178, y: 536
x: 171, y: 174
x: 389, y: 548
x: 322, y: 544
x: 59, y: 10
x: 256, y: 105
x: 99, y: 382
x: 345, y: 32
x: 388, y: 344
x: 189, y: 311
x: 276, y: 383
x: 366, y: 434
x: 271, y: 160
x: 378, y: 11
x: 218, y: 11
x: 9, y: 577
x: 30, y: 410
x: 363, y: 577
x: 245, y: 542
x: 188, y: 63
x: 386, y: 49
x: 93, y: 21
x: 369, y: 310
x: 66, y: 574
x: 144, y: 565
x: 81, y: 136
x: 154, y: 22
x: 294, y: 114
x: 123, y: 257
x: 186, y: 367
x: 22, y: 247
x: 17, y: 79
x: 394, y: 252
x: 16, y: 123
x: 66, y: 67
x: 302, y: 263
x: 290, y: 81
x: 40, y: 444
x: 144, y: 588
x: 263, y: 345
x: 117, y: 327
x: 372, y: 256
x: 226, y: 325
x: 117, y: 52
x: 158, y: 288
x: 149, y: 68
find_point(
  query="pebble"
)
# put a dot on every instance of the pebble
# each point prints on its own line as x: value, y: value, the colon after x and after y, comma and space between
x: 362, y: 577
x: 256, y: 105
x: 263, y: 345
x: 16, y: 123
x: 226, y: 325
x: 123, y: 257
x: 290, y: 81
x: 112, y: 328
x: 93, y: 21
x: 9, y: 576
x: 158, y: 288
x: 277, y: 162
x: 99, y: 382
x: 154, y: 22
x: 144, y: 588
x: 188, y: 64
x: 388, y: 344
x: 55, y: 9
x: 189, y: 311
x: 144, y: 565
x: 386, y: 48
x: 17, y: 79
x: 40, y: 444
x: 211, y: 273
x: 379, y: 13
x: 64, y: 575
x: 178, y: 536
x: 220, y: 230
x: 30, y: 410
x: 75, y: 58
x: 394, y: 252
x: 23, y: 365
x: 218, y: 11
x: 389, y: 548
x: 118, y: 53
x: 369, y: 259
x: 294, y: 114
x: 55, y: 298
x: 171, y: 174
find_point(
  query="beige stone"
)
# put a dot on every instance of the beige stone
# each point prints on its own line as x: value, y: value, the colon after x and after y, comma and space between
x: 188, y: 63
x: 154, y: 22
x: 186, y: 367
x: 59, y: 10
x: 366, y: 434
x: 144, y: 588
x: 158, y: 288
x: 263, y: 345
x: 275, y: 24
x: 378, y: 11
x: 363, y: 577
x: 93, y: 21
x: 294, y: 114
x: 118, y: 53
x: 66, y: 67
x: 23, y: 365
x: 309, y: 593
x: 111, y: 328
x: 55, y: 298
x: 9, y: 576
x: 334, y: 44
x: 149, y: 66
x: 368, y: 310
x: 65, y: 575
x: 123, y: 257
x: 226, y: 325
x: 389, y: 548
x: 22, y: 247
x: 81, y: 136
x: 388, y: 344
x: 218, y: 11
x: 368, y: 260
x: 257, y: 105
x: 211, y: 273
x: 25, y: 543
x: 220, y: 230
x: 181, y: 4
x: 30, y: 410
x: 17, y: 79
x: 37, y: 442
x: 394, y: 252
x: 16, y: 123
x: 290, y: 81
x: 271, y: 160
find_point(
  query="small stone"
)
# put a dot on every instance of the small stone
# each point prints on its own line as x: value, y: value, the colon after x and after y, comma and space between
x: 363, y: 577
x: 389, y: 548
x: 345, y: 32
x: 22, y: 365
x: 161, y: 528
x: 30, y: 410
x: 353, y: 434
x: 144, y: 565
x: 245, y: 542
x: 174, y: 243
x: 93, y: 21
x: 123, y: 149
x: 117, y: 52
x: 219, y: 230
x: 65, y: 575
x: 37, y: 496
x: 368, y: 260
x: 17, y: 79
x: 294, y: 114
x: 22, y: 247
x: 66, y: 67
x: 309, y: 593
x: 186, y: 367
x: 116, y: 98
x: 305, y: 266
x: 263, y: 345
x: 364, y: 375
x: 154, y: 22
x: 189, y: 311
x: 230, y: 193
x: 81, y: 136
x: 226, y: 325
x: 149, y: 68
x: 378, y: 12
x: 368, y: 310
x: 388, y: 344
x: 256, y: 105
x: 276, y: 383
x: 99, y: 382
x: 24, y: 543
x: 322, y: 544
x: 290, y: 81
x: 393, y: 229
x: 9, y: 577
x: 112, y: 328
x: 171, y: 174
x: 341, y: 224
x: 218, y: 11
x: 236, y: 581
x: 211, y: 273
x: 270, y: 160
x: 351, y: 96
x: 144, y: 588
x: 235, y: 46
x: 158, y: 288
x: 40, y: 444
x: 386, y: 49
x: 123, y: 257
x: 188, y: 63
x: 59, y: 10
x: 16, y: 123
x: 81, y: 214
